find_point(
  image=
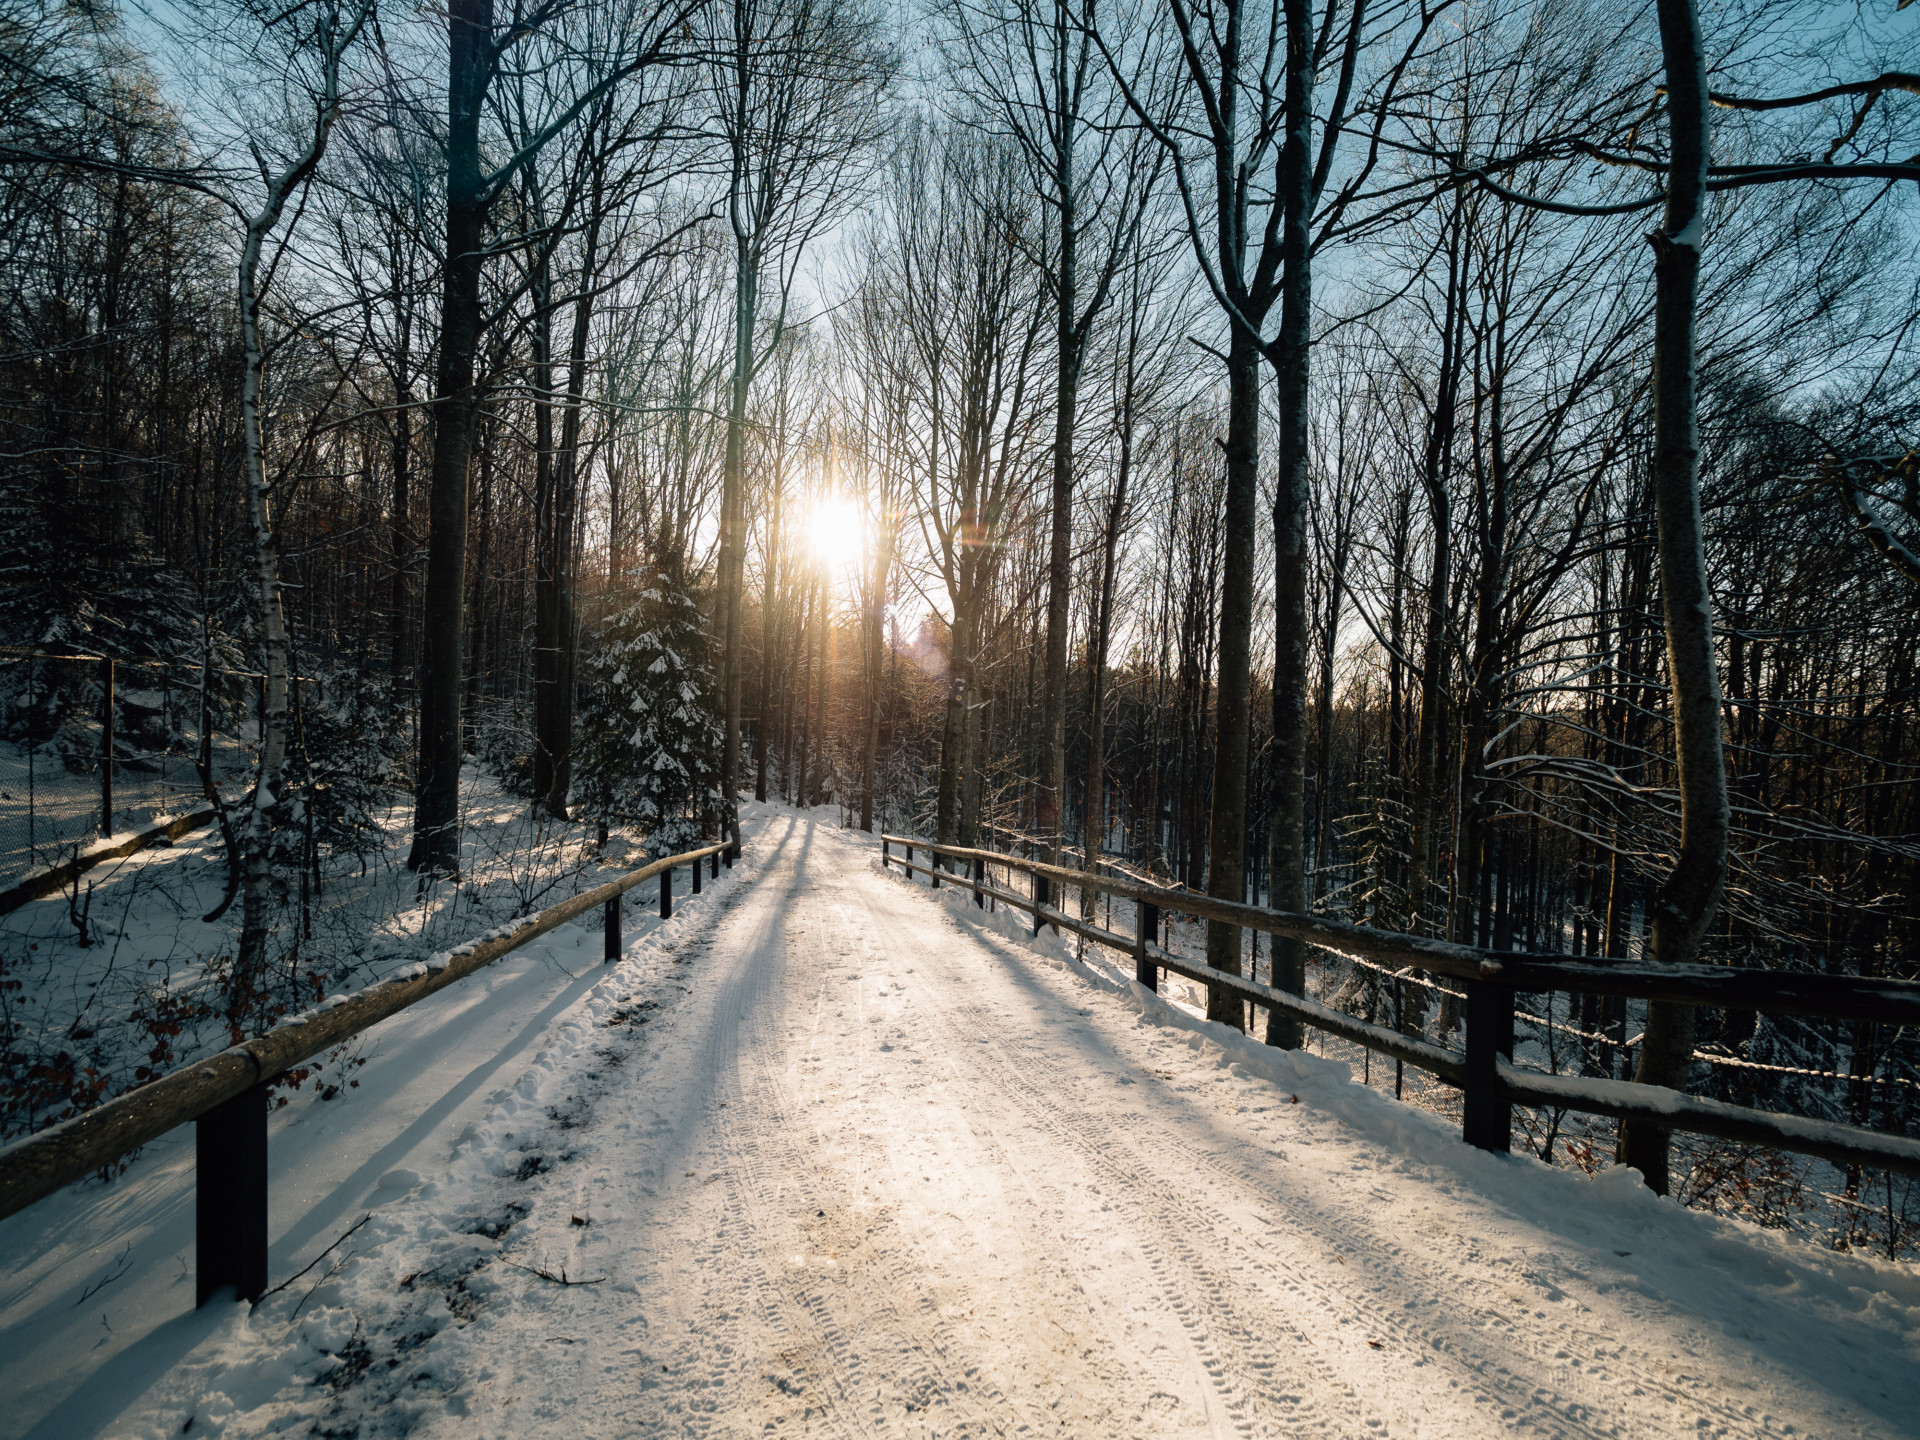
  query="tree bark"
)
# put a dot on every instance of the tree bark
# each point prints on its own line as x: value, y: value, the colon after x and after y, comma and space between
x: 546, y: 637
x: 566, y: 491
x: 400, y: 524
x: 1686, y: 902
x: 733, y: 528
x: 1435, y: 476
x: 1227, y: 823
x: 955, y: 759
x: 1069, y: 343
x: 436, y: 816
x: 256, y: 835
x: 334, y: 33
x: 1483, y: 678
x: 876, y: 615
x: 1102, y: 636
x: 1339, y: 552
x: 1289, y: 354
x: 768, y: 594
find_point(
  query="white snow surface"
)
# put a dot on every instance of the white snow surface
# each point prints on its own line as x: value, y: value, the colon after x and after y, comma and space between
x: 829, y: 1154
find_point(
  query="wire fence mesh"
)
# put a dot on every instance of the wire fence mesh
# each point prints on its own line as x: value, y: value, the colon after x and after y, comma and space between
x: 92, y: 747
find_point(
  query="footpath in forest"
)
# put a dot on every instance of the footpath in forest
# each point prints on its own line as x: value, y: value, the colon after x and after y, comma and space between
x: 830, y: 1154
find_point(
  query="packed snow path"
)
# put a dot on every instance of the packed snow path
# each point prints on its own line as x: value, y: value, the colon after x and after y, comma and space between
x: 873, y: 1163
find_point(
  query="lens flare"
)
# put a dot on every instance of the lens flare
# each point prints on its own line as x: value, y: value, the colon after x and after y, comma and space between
x: 837, y: 535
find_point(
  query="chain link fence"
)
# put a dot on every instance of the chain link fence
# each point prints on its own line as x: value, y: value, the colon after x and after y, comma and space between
x: 92, y: 747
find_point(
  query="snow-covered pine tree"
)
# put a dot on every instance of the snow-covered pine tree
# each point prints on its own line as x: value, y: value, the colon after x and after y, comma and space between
x: 1378, y: 835
x: 649, y: 743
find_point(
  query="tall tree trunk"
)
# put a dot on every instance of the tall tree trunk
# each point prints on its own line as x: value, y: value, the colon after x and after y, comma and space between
x: 1685, y: 904
x: 954, y: 759
x: 827, y: 643
x: 546, y: 635
x: 1435, y: 477
x: 733, y: 523
x: 566, y: 491
x: 400, y: 525
x: 1068, y: 346
x: 1227, y: 823
x: 559, y: 741
x: 1287, y: 877
x: 876, y: 617
x: 974, y: 783
x: 436, y: 815
x: 1102, y: 639
x: 1483, y: 681
x: 256, y: 838
x: 768, y: 594
x: 256, y: 835
x: 803, y: 794
x: 1323, y: 709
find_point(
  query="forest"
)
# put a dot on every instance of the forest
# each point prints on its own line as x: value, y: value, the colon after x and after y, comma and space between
x: 1453, y: 467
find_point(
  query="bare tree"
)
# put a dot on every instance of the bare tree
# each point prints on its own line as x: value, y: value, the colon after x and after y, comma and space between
x: 1034, y: 74
x: 948, y: 266
x: 797, y: 88
x: 312, y: 46
x: 601, y: 57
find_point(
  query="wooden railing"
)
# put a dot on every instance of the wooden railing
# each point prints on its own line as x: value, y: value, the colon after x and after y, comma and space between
x: 1484, y: 1070
x: 51, y: 879
x: 226, y: 1094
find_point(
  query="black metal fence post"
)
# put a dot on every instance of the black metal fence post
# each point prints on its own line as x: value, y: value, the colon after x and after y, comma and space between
x: 612, y: 928
x: 979, y: 879
x: 1487, y: 1120
x: 695, y: 867
x: 309, y: 866
x: 1042, y: 892
x: 666, y: 893
x: 886, y: 852
x: 319, y: 868
x: 230, y: 1197
x: 33, y: 809
x: 106, y: 748
x: 715, y: 858
x: 933, y: 869
x: 1146, y: 927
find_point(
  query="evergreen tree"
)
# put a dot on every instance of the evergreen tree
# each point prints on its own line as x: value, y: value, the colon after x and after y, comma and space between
x: 1379, y: 835
x: 649, y: 746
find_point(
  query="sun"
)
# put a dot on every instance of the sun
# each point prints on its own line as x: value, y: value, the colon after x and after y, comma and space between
x: 837, y: 535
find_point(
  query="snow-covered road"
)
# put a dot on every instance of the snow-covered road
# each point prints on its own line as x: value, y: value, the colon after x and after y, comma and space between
x: 853, y: 1158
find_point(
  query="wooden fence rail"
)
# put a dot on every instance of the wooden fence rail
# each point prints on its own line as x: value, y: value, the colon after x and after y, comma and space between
x: 50, y: 880
x: 1484, y: 1069
x: 226, y: 1094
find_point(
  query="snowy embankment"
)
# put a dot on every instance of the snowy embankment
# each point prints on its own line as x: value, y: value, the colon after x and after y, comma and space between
x: 96, y: 1282
x: 829, y: 1154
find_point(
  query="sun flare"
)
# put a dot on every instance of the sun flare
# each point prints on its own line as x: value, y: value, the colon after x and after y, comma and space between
x: 837, y: 535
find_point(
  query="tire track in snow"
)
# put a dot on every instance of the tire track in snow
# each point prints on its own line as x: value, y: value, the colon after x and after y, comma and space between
x: 1162, y: 1160
x: 915, y: 1208
x: 856, y: 1309
x: 1223, y: 1336
x: 825, y: 1366
x: 1496, y: 1366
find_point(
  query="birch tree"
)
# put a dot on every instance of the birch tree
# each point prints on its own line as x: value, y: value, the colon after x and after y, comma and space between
x: 313, y: 45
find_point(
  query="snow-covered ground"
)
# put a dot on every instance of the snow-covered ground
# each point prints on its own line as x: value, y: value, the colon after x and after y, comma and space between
x: 830, y: 1154
x: 47, y: 809
x: 87, y: 1012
